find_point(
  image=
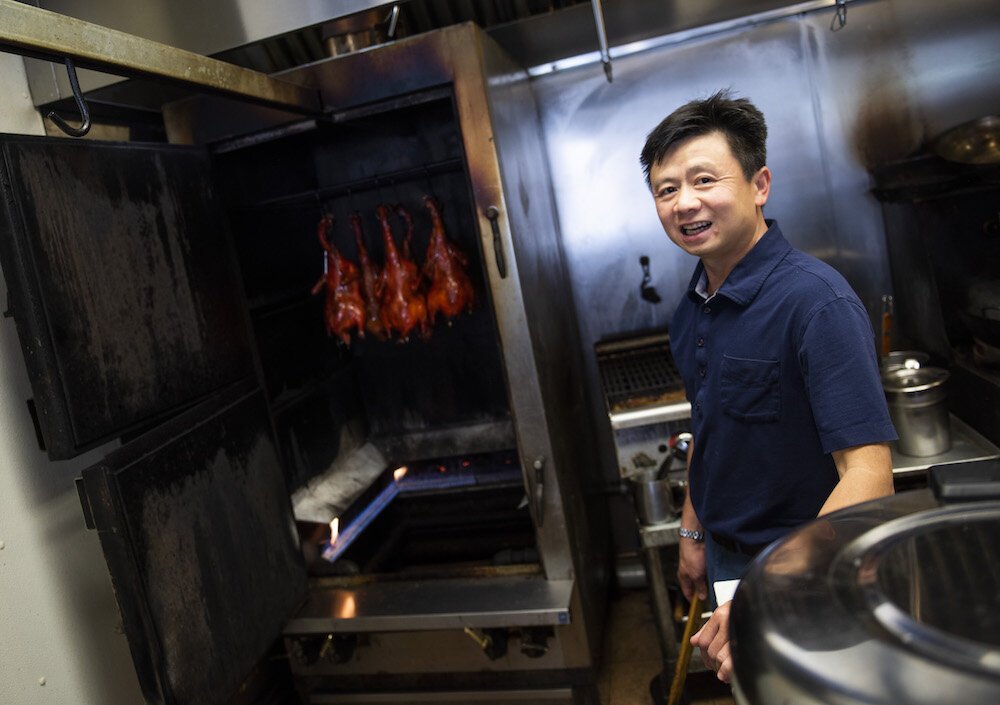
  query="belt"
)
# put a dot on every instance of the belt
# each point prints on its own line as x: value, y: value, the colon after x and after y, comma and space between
x: 747, y: 549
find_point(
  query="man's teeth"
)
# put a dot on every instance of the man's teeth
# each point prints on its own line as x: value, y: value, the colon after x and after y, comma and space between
x: 695, y: 228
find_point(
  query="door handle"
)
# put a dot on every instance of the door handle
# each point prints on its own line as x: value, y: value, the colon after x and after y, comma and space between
x: 493, y: 214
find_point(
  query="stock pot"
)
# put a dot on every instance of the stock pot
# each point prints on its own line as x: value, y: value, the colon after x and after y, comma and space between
x: 894, y: 601
x: 916, y: 400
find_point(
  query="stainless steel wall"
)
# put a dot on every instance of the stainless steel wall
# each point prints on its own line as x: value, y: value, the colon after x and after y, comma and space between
x: 899, y: 72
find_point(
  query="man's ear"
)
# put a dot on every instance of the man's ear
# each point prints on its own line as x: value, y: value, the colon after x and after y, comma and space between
x: 762, y: 186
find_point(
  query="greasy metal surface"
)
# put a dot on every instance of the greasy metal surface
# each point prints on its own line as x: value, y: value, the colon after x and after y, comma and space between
x: 638, y: 376
x: 196, y: 528
x: 127, y: 303
x: 40, y: 33
x: 435, y: 604
x: 827, y: 601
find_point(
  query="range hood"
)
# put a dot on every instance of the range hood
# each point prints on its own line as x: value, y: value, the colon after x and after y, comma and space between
x: 543, y: 35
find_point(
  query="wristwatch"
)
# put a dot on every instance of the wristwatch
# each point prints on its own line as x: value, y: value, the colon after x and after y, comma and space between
x: 694, y: 535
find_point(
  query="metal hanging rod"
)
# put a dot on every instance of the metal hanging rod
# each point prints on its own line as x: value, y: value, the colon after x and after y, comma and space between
x: 367, y: 184
x: 42, y: 34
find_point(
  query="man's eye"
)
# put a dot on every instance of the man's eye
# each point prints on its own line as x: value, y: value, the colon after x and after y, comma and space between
x: 666, y: 191
x: 705, y: 179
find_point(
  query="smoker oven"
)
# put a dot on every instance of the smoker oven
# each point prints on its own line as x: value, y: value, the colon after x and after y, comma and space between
x: 162, y: 296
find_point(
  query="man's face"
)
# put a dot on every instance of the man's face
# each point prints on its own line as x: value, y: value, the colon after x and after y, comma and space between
x: 705, y: 203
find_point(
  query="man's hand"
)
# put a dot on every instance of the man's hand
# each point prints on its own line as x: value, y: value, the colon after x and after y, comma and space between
x: 691, y: 570
x: 713, y: 640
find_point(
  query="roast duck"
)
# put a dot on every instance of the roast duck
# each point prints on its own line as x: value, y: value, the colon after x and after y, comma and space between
x: 450, y: 290
x: 369, y: 282
x: 391, y: 302
x: 404, y: 307
x: 344, y: 308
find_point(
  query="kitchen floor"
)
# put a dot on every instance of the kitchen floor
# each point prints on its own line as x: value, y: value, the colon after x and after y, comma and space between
x: 632, y: 658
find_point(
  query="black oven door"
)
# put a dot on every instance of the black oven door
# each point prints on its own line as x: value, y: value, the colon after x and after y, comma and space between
x: 122, y: 281
x: 196, y: 527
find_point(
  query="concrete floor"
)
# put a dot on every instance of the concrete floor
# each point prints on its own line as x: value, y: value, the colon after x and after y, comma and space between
x: 632, y: 658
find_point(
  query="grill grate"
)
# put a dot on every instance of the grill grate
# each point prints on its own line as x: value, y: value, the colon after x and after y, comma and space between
x: 646, y: 373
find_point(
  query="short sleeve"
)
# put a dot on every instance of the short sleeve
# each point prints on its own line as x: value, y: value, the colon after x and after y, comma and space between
x: 840, y: 369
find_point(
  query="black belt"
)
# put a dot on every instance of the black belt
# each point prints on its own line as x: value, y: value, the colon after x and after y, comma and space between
x: 747, y: 549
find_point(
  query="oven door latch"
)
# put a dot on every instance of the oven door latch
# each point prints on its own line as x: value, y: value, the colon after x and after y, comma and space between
x: 538, y: 491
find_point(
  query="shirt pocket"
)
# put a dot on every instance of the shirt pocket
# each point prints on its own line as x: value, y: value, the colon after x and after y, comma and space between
x: 750, y: 390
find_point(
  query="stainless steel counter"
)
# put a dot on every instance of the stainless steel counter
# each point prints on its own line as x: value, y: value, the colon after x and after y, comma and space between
x: 966, y: 445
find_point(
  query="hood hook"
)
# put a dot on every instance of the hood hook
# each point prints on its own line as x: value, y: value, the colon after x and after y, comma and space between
x: 602, y: 38
x: 74, y: 84
x: 646, y: 291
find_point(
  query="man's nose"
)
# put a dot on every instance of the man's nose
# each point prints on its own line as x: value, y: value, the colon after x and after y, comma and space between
x: 686, y: 200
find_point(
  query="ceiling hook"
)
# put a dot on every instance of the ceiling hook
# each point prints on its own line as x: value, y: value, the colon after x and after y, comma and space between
x: 602, y: 38
x: 84, y: 127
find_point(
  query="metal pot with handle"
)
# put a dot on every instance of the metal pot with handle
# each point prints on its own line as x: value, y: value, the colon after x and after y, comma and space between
x: 917, y: 406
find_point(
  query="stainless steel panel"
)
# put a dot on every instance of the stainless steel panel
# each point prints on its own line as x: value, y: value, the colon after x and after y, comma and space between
x: 438, y: 604
x: 895, y: 75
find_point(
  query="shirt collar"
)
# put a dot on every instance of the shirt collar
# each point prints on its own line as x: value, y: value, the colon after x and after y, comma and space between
x: 750, y: 273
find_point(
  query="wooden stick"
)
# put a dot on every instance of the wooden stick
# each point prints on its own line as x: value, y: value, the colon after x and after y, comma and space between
x: 684, y: 658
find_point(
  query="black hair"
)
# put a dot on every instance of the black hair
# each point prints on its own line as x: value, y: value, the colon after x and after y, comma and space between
x: 737, y: 119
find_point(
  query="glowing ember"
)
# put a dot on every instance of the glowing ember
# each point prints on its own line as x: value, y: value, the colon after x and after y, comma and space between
x: 346, y: 608
x: 466, y: 463
x: 334, y: 529
x: 399, y: 473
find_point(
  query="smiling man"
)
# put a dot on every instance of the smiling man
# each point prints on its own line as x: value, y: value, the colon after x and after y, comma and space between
x: 777, y: 354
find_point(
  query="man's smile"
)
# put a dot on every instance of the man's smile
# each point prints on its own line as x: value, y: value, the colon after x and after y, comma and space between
x: 695, y: 228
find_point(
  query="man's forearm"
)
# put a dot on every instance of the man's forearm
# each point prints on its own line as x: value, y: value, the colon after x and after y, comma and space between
x: 865, y: 473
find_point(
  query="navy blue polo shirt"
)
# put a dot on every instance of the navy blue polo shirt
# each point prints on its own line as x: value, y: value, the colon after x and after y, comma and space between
x: 780, y: 369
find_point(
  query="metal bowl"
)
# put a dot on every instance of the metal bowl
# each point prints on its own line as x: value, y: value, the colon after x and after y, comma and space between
x: 973, y: 142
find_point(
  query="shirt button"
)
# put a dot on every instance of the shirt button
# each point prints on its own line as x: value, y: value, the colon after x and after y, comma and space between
x: 701, y: 342
x: 706, y: 308
x: 701, y: 371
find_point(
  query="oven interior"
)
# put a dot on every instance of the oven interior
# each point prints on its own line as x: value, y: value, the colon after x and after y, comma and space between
x: 437, y: 406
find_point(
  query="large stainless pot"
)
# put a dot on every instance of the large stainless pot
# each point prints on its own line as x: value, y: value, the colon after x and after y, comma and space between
x: 916, y: 400
x: 895, y: 601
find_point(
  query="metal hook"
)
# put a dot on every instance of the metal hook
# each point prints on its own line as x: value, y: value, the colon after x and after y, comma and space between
x: 393, y: 19
x: 84, y: 127
x: 646, y: 291
x: 839, y: 17
x: 602, y: 38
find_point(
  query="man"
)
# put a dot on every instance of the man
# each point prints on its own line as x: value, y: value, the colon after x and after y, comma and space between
x: 776, y: 351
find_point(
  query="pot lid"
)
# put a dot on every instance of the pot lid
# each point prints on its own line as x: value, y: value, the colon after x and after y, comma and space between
x: 911, y: 381
x: 891, y: 601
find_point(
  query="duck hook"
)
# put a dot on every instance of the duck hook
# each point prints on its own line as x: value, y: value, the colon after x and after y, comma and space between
x: 84, y: 127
